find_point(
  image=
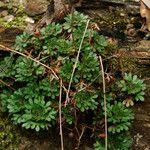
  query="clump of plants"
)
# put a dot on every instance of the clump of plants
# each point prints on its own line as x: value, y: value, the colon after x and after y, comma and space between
x: 129, y: 81
x: 42, y: 66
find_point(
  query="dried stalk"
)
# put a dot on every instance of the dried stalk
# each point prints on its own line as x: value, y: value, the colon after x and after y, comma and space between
x: 7, y: 85
x: 75, y: 65
x: 60, y: 117
x: 105, y: 107
x: 79, y: 140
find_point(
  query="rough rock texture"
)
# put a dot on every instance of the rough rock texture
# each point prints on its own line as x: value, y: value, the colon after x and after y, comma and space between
x: 36, y: 7
x: 8, y: 36
x: 97, y: 3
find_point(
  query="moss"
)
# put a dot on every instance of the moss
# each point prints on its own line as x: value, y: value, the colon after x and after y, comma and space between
x: 17, y: 22
x: 112, y: 24
x: 2, y: 22
x: 114, y: 20
x: 20, y: 11
x: 128, y: 64
x: 8, y: 137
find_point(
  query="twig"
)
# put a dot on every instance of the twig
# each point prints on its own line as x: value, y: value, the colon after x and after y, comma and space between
x: 60, y: 119
x: 28, y: 57
x: 7, y: 85
x: 75, y: 65
x: 105, y: 107
x: 83, y: 129
x: 79, y: 140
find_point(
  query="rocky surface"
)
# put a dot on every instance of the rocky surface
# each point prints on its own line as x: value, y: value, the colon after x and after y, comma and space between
x: 36, y: 7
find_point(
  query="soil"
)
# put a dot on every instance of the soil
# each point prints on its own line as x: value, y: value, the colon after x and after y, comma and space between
x: 123, y: 29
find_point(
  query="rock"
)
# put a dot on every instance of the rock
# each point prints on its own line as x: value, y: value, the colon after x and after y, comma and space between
x: 8, y: 36
x: 36, y: 7
x: 98, y: 3
x: 29, y: 20
x: 30, y: 28
x: 121, y: 1
x: 9, y: 18
x: 4, y: 13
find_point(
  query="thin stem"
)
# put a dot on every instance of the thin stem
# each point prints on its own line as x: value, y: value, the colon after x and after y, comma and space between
x: 60, y: 117
x: 75, y: 65
x: 79, y: 140
x: 7, y: 85
x: 105, y: 107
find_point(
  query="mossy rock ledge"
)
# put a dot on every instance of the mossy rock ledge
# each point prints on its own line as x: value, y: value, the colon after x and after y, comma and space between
x: 139, y: 59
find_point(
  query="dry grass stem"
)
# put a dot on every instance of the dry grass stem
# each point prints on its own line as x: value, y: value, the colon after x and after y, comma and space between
x: 79, y: 140
x: 75, y: 65
x: 105, y: 107
x: 60, y: 117
x: 7, y: 85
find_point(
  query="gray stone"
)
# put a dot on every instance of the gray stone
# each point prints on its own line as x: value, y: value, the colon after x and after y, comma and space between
x: 29, y: 20
x: 4, y: 13
x: 30, y: 28
x: 36, y: 7
x: 9, y: 18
